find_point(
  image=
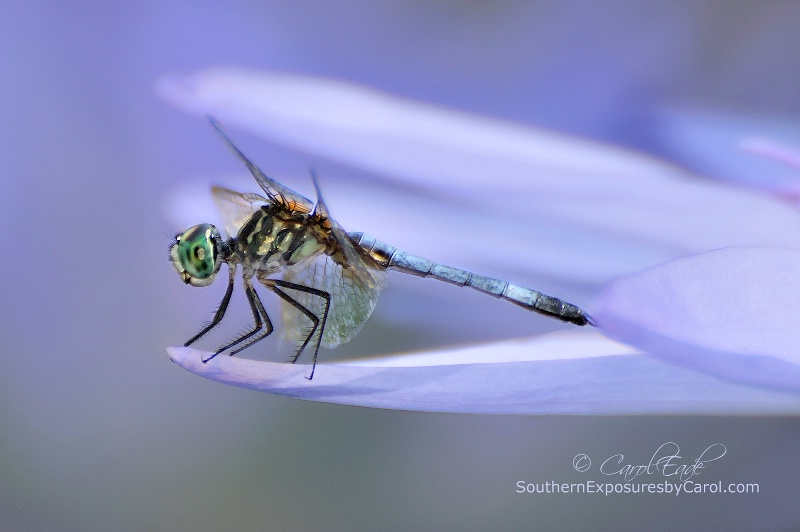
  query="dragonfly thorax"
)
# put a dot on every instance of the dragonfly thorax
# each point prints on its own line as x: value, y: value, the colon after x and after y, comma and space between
x: 274, y: 238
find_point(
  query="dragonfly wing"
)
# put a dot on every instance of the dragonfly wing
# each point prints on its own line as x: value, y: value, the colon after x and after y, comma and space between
x: 235, y: 208
x: 353, y: 281
x: 293, y: 201
x: 352, y: 299
x: 359, y: 266
x: 275, y: 191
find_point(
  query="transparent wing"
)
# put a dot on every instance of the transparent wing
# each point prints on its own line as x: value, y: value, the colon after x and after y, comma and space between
x: 293, y: 201
x: 353, y: 281
x: 235, y: 208
x: 274, y: 190
x: 354, y: 293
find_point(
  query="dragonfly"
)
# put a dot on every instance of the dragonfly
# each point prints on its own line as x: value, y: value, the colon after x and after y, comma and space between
x: 328, y: 280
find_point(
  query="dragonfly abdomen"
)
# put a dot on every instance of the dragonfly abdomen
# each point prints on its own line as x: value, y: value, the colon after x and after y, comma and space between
x: 389, y: 257
x: 547, y: 305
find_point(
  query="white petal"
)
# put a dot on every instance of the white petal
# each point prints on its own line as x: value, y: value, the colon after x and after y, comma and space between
x: 570, y: 373
x: 729, y: 312
x: 392, y: 135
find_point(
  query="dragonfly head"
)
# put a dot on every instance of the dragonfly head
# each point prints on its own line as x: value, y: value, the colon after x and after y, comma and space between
x: 196, y: 254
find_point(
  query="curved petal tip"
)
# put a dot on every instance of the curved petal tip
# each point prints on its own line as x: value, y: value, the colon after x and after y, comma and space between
x: 730, y: 312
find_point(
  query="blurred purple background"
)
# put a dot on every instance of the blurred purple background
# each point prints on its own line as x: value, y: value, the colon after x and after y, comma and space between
x: 98, y: 430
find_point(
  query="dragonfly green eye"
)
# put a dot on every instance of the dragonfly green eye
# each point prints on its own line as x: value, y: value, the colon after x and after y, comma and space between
x: 194, y: 254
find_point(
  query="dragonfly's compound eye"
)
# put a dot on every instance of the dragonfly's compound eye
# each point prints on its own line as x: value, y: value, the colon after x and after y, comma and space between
x: 194, y: 254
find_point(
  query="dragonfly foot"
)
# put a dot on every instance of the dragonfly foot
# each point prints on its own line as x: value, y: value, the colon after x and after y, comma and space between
x: 206, y: 360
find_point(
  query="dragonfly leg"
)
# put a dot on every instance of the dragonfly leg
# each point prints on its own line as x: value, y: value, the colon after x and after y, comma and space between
x: 317, y: 321
x: 265, y: 331
x: 255, y: 307
x: 223, y: 306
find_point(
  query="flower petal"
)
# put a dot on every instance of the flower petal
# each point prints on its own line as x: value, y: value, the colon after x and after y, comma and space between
x: 729, y: 312
x: 565, y: 373
x: 396, y: 136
